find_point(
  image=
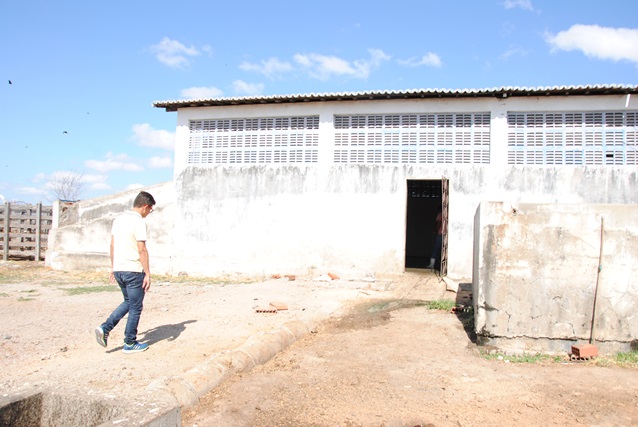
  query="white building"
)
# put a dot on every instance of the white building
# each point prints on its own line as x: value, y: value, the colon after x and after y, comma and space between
x: 351, y: 182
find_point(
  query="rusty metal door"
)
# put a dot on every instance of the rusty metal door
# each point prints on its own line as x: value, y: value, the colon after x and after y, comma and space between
x: 445, y: 196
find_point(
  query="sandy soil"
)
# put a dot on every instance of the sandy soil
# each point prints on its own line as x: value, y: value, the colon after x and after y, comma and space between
x: 379, y: 358
x: 414, y: 367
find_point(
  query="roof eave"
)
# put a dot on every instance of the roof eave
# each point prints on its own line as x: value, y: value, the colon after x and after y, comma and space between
x: 502, y: 92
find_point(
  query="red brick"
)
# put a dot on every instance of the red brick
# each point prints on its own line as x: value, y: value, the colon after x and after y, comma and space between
x: 585, y: 350
x: 279, y: 305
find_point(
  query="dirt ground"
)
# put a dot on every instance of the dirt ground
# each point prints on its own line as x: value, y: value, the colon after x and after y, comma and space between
x: 377, y: 356
x: 414, y: 367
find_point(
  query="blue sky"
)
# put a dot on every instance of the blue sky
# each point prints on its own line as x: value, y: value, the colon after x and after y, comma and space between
x: 84, y: 74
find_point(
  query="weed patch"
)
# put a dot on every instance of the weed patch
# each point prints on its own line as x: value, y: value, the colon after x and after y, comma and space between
x: 536, y: 358
x: 623, y: 359
x: 441, y: 304
x: 90, y: 289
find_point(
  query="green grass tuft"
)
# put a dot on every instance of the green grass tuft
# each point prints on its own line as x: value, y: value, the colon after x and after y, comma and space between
x: 522, y: 358
x: 90, y: 289
x: 622, y: 360
x: 442, y: 304
x: 627, y: 359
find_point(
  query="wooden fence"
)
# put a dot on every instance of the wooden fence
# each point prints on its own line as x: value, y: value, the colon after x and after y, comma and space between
x: 24, y: 230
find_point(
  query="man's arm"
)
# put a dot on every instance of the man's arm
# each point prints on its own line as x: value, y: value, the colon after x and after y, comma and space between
x: 141, y: 248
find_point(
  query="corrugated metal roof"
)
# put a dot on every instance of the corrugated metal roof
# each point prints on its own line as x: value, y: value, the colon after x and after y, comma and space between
x: 500, y: 92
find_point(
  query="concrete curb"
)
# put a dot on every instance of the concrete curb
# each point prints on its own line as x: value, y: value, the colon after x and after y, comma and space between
x: 186, y: 389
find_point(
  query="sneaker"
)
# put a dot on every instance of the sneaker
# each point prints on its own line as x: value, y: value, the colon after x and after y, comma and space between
x: 100, y: 336
x: 137, y: 347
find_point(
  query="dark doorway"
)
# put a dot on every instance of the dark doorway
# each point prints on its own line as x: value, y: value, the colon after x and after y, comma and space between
x: 423, y: 205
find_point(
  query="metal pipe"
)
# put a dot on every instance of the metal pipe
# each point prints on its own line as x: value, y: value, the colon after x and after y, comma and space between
x: 600, y: 269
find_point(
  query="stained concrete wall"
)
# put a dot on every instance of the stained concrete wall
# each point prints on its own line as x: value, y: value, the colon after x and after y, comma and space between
x: 350, y: 218
x: 81, y: 233
x: 536, y: 271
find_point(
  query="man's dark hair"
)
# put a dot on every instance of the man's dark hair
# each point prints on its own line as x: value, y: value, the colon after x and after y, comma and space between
x: 142, y: 199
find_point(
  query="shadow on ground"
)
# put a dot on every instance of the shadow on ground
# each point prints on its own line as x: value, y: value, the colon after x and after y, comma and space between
x: 166, y: 332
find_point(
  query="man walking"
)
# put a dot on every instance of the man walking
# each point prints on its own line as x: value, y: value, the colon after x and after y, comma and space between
x: 130, y: 269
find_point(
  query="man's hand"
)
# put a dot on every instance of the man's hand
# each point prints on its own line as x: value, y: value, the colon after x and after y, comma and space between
x: 146, y: 285
x: 111, y: 278
x: 141, y: 248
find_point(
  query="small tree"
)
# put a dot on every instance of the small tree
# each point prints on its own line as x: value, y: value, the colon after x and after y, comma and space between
x: 66, y: 185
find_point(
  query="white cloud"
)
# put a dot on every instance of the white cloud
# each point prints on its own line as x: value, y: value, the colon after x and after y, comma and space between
x: 430, y: 59
x: 208, y: 49
x: 377, y: 57
x: 93, y: 179
x: 201, y: 92
x: 114, y: 162
x: 523, y: 4
x: 272, y: 67
x: 146, y: 136
x: 160, y: 162
x: 96, y: 182
x: 46, y: 183
x: 2, y: 198
x: 514, y: 50
x: 32, y: 191
x: 58, y: 175
x: 323, y: 67
x: 39, y: 177
x: 605, y: 43
x: 174, y: 54
x: 318, y: 66
x: 243, y: 88
x: 99, y: 186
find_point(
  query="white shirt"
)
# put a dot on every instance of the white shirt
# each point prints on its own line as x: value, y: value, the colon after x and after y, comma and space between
x: 128, y: 229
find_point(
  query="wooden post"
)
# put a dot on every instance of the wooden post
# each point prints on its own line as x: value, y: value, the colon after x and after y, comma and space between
x: 7, y: 227
x: 38, y: 231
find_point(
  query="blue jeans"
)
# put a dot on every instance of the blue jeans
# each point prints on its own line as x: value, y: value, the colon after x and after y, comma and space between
x: 131, y: 287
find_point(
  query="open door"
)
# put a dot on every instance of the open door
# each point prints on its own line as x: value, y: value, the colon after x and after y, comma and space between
x: 425, y: 200
x: 445, y: 197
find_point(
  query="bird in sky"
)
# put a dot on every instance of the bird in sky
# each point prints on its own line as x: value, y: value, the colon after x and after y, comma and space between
x: 10, y: 82
x: 65, y: 132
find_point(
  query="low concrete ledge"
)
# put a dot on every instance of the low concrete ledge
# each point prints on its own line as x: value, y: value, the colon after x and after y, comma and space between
x: 52, y: 408
x: 187, y: 389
